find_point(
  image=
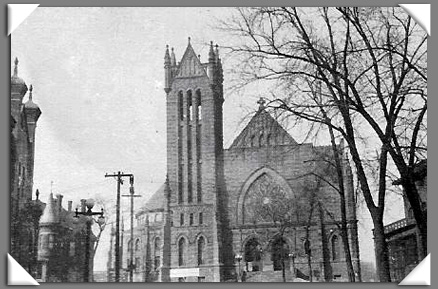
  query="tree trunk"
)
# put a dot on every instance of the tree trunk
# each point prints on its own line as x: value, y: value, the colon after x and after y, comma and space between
x: 381, y: 249
x: 420, y: 215
x: 344, y: 231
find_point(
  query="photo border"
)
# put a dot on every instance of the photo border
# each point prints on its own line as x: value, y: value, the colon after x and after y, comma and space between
x: 5, y: 74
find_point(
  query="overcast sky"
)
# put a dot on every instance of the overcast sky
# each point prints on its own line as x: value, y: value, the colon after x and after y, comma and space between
x: 98, y: 78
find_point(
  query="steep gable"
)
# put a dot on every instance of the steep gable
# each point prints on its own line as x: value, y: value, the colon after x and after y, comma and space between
x: 190, y: 64
x: 156, y: 202
x: 263, y: 130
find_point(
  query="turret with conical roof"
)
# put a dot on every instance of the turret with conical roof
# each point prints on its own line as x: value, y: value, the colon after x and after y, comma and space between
x: 47, y: 235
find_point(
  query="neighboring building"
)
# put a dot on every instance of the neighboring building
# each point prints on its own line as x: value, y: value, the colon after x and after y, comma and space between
x: 62, y: 244
x: 402, y: 236
x: 24, y: 212
x: 203, y: 216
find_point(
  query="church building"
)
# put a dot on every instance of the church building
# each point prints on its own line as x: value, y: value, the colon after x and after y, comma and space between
x: 256, y: 211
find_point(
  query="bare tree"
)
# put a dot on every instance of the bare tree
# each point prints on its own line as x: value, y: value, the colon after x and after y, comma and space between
x: 103, y: 204
x: 371, y: 68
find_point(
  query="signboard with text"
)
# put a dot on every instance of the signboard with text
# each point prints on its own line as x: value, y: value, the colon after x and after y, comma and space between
x: 184, y: 272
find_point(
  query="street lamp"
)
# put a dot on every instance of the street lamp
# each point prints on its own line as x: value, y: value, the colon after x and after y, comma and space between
x: 89, y: 203
x: 238, y: 258
x: 292, y: 256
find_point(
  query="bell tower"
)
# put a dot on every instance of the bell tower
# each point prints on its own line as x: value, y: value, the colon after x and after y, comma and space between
x: 194, y: 96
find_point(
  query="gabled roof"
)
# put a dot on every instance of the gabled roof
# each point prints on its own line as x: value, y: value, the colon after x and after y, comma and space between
x: 190, y: 64
x: 265, y: 129
x: 156, y: 202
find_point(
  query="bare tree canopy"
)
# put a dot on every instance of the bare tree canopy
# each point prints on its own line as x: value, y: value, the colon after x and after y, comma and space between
x: 360, y: 71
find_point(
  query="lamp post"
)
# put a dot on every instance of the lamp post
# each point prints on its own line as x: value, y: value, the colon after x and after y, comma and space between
x: 89, y: 213
x: 292, y: 256
x: 238, y: 258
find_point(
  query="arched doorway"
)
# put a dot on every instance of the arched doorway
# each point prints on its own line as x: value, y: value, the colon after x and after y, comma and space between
x: 279, y: 254
x: 253, y: 255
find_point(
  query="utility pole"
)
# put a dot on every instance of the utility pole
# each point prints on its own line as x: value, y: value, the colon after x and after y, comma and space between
x: 132, y: 196
x: 119, y: 179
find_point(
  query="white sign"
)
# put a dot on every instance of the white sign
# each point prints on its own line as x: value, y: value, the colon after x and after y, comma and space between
x: 184, y: 272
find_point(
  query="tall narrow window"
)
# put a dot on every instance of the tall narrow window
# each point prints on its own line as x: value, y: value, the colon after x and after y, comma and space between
x: 51, y: 241
x: 201, y: 247
x: 180, y: 105
x: 261, y: 140
x: 335, y: 248
x: 181, y: 252
x: 180, y: 148
x: 252, y: 141
x: 180, y: 184
x: 137, y: 244
x: 191, y: 219
x: 181, y: 219
x: 199, y: 152
x: 189, y: 150
x: 198, y: 105
x: 269, y: 140
x: 157, y: 251
x: 171, y: 218
x: 201, y: 218
x: 189, y: 105
x: 137, y: 264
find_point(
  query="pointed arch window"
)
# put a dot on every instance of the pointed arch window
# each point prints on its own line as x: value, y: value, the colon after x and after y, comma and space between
x: 201, y: 248
x: 261, y: 140
x: 336, y: 249
x: 182, y: 252
x: 252, y: 141
x: 269, y: 140
x: 51, y: 241
x: 190, y: 111
x: 180, y: 105
x: 198, y: 105
x: 137, y: 244
x: 157, y: 251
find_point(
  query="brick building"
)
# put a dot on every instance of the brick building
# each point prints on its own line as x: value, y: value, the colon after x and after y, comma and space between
x: 42, y: 235
x: 205, y: 214
x: 402, y: 236
x: 24, y: 212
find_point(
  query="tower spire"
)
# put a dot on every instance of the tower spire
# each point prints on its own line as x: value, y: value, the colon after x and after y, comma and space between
x: 173, y: 58
x: 16, y: 67
x: 167, y: 56
x: 211, y: 56
x: 167, y: 71
x: 217, y: 52
x: 30, y: 92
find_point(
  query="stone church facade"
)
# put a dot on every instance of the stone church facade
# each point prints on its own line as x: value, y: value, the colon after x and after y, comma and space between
x: 223, y: 213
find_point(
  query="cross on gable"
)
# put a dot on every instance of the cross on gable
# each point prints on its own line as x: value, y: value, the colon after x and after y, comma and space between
x: 261, y: 103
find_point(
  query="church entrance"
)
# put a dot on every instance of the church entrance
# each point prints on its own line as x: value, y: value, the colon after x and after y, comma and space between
x: 253, y: 255
x: 280, y: 254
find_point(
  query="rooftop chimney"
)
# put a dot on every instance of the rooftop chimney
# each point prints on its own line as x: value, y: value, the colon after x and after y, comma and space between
x: 70, y: 205
x: 83, y: 206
